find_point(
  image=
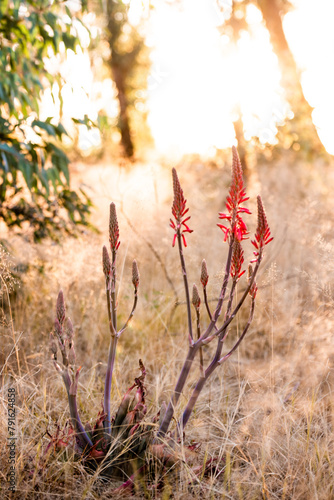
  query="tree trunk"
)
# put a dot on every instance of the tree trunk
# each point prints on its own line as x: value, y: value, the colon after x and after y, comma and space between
x: 271, y: 13
x: 116, y: 13
x: 124, y: 123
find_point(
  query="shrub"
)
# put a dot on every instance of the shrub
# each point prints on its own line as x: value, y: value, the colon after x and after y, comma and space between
x: 34, y: 169
x: 123, y: 443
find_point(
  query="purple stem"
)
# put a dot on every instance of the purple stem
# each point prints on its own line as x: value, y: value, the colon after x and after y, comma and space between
x: 198, y: 327
x: 76, y: 422
x: 250, y: 319
x: 194, y: 348
x: 207, y: 303
x: 236, y: 310
x: 186, y: 287
x: 71, y: 389
x: 178, y: 390
x: 108, y: 380
x: 111, y: 304
x: 113, y: 290
x: 131, y: 313
x: 205, y: 375
x: 208, y: 372
x: 219, y: 306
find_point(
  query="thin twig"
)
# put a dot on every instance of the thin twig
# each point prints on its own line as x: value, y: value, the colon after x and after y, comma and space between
x: 131, y: 313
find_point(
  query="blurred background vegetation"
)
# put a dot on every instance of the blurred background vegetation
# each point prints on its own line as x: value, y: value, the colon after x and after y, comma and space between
x: 97, y: 78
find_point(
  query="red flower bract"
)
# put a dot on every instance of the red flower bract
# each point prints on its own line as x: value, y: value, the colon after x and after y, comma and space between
x: 262, y: 235
x: 179, y: 210
x: 237, y: 260
x: 236, y: 196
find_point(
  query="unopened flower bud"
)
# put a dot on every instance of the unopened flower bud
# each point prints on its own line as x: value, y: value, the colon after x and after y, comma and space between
x: 60, y: 308
x: 204, y: 274
x: 196, y: 301
x: 58, y: 330
x: 106, y: 262
x: 113, y: 228
x: 135, y: 274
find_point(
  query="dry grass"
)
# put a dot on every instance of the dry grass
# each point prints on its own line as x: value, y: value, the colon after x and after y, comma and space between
x: 268, y: 412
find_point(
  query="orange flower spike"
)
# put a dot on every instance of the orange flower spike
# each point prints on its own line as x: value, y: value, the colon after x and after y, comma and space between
x: 236, y: 196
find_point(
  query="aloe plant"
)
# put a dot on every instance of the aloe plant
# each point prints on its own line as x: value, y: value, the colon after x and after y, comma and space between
x: 123, y: 441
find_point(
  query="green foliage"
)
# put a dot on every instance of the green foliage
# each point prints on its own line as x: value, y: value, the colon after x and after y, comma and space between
x: 35, y: 181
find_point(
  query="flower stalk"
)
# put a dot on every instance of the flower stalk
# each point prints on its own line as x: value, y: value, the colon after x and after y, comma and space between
x: 235, y: 232
x: 109, y: 269
x: 70, y: 376
x: 180, y: 226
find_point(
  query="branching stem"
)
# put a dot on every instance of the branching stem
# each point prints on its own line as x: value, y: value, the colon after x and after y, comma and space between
x: 198, y: 327
x: 71, y: 389
x: 194, y: 348
x: 131, y: 313
x: 219, y: 306
x: 208, y: 372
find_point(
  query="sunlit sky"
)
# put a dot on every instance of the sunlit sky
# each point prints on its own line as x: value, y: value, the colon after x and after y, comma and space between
x: 199, y: 79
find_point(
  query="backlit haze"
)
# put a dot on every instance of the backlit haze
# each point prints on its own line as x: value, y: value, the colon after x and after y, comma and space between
x: 199, y: 79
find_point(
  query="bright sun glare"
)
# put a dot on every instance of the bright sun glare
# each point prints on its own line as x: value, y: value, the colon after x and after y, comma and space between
x: 199, y: 79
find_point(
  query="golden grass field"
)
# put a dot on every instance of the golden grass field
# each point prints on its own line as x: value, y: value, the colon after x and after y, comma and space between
x: 268, y: 412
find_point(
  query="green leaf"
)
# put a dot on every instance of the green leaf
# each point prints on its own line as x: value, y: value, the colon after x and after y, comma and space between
x: 45, y: 181
x: 3, y: 6
x: 50, y: 129
x: 27, y: 172
x: 10, y: 150
x: 60, y: 130
x: 52, y: 176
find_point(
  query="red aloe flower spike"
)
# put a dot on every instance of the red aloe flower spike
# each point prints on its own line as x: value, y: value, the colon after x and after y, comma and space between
x: 236, y: 196
x: 237, y: 260
x: 113, y: 228
x: 262, y: 235
x: 204, y: 274
x: 179, y: 203
x: 179, y: 210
